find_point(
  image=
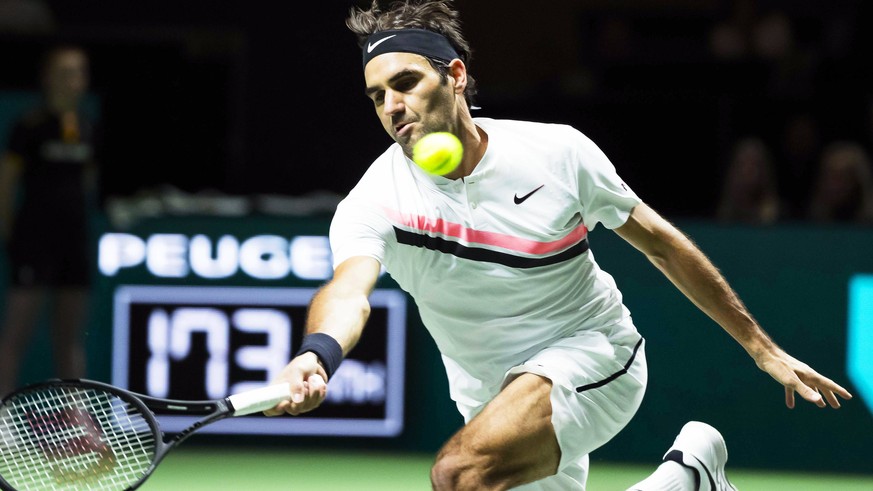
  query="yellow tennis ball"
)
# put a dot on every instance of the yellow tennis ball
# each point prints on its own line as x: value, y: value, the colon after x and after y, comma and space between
x: 438, y: 153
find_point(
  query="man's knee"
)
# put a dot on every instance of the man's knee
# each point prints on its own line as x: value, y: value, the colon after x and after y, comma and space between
x: 456, y: 469
x: 445, y: 473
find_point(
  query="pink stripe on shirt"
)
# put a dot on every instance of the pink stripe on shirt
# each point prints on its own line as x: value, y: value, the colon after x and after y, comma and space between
x: 518, y: 244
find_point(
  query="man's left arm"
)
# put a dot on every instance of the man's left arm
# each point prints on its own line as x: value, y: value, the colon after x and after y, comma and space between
x: 688, y: 268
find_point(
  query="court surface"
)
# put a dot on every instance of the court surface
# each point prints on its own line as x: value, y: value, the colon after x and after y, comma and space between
x: 196, y: 468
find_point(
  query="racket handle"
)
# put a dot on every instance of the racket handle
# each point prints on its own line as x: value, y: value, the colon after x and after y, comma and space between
x: 257, y: 400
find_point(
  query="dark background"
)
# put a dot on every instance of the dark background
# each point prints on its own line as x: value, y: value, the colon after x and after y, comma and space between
x: 247, y: 97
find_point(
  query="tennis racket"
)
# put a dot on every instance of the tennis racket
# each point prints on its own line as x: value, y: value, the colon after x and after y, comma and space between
x: 86, y: 435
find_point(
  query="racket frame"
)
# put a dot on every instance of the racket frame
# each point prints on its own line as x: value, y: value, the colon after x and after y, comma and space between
x: 212, y: 410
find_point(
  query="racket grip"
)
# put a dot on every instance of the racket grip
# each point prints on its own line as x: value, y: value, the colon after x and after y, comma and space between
x: 257, y: 400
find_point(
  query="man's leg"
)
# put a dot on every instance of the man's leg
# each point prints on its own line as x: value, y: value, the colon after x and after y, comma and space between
x: 23, y: 306
x: 71, y: 307
x: 511, y: 442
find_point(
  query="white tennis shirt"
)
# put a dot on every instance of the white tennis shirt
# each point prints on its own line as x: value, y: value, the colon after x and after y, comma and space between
x: 497, y: 262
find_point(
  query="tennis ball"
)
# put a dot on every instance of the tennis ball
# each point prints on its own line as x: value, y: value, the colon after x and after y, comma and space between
x: 438, y: 153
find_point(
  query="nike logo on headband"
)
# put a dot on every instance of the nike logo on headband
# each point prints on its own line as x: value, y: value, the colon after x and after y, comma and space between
x: 372, y: 46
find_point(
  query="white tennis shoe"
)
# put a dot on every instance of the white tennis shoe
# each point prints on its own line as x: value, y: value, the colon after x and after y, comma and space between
x: 702, y: 448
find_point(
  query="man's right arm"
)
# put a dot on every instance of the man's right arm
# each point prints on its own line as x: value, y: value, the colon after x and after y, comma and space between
x: 339, y: 309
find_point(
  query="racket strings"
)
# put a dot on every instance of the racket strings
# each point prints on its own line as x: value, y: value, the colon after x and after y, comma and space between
x: 65, y: 438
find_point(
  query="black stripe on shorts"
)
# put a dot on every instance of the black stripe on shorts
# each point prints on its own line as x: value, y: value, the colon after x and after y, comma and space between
x: 583, y: 388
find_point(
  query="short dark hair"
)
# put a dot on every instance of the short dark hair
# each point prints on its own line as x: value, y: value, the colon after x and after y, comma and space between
x: 434, y: 15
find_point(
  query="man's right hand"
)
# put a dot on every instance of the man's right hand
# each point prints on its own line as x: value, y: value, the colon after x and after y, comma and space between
x: 308, y: 385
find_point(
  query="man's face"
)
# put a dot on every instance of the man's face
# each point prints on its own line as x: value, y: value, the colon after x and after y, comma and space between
x: 67, y: 74
x: 410, y: 97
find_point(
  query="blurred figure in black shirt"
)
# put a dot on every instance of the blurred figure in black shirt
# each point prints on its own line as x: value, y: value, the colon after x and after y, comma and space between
x: 750, y: 193
x: 843, y: 192
x: 48, y: 179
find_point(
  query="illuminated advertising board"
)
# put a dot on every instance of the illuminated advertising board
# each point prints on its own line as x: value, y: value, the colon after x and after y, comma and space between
x: 174, y: 255
x: 200, y: 317
x: 208, y: 342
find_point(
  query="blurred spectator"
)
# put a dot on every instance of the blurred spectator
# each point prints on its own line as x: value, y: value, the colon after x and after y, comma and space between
x: 773, y: 36
x: 614, y: 39
x: 840, y: 33
x: 727, y: 41
x: 798, y: 158
x: 843, y: 191
x: 793, y: 68
x: 749, y: 193
x: 26, y: 17
x: 869, y: 122
x: 48, y: 180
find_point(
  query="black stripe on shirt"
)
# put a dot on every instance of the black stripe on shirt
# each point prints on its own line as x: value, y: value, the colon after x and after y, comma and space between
x: 440, y: 244
x: 583, y: 388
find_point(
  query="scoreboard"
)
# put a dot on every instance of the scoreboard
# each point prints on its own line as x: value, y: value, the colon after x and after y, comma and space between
x: 199, y: 316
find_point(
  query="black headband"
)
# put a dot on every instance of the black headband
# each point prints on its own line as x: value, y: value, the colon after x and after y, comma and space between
x: 419, y: 41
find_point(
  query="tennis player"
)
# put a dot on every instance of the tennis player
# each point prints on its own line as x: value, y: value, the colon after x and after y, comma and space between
x: 543, y: 358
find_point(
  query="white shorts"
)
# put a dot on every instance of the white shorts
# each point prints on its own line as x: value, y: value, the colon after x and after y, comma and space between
x: 597, y: 387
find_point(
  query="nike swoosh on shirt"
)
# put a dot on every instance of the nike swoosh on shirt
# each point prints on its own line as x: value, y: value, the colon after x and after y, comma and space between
x: 372, y: 46
x: 519, y: 201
